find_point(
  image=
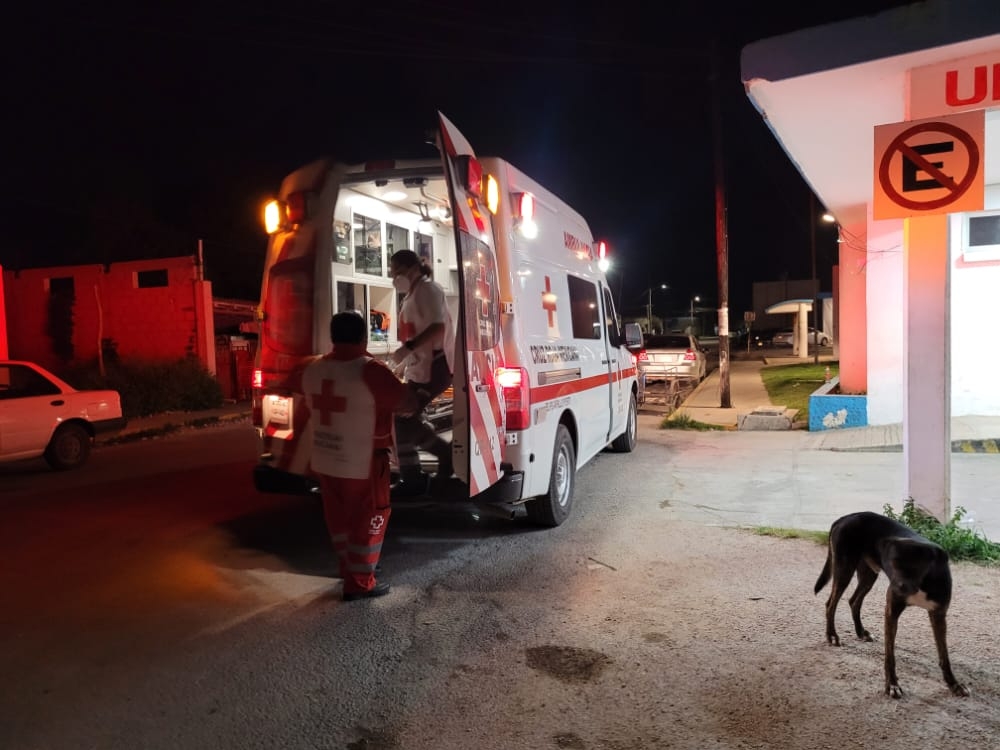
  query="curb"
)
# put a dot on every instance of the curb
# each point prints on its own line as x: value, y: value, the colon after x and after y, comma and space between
x: 168, y: 427
x: 986, y: 445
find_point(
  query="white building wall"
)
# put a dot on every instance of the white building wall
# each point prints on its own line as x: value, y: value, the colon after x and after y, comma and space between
x: 975, y: 349
x: 886, y: 272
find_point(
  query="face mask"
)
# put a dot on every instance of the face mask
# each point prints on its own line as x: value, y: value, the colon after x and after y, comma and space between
x: 401, y: 283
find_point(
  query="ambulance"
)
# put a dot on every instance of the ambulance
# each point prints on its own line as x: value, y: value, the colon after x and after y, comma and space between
x: 543, y: 380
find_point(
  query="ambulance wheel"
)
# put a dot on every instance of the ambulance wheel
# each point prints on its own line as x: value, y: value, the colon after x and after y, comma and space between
x: 625, y: 442
x: 552, y: 508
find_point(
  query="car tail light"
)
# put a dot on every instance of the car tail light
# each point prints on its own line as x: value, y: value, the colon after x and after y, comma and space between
x: 641, y: 356
x: 690, y: 356
x: 514, y: 382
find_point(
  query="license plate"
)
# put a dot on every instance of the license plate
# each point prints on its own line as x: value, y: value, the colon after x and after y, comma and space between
x: 277, y: 410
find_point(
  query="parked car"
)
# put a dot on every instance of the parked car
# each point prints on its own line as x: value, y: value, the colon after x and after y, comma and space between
x: 672, y: 355
x: 41, y: 415
x: 785, y: 338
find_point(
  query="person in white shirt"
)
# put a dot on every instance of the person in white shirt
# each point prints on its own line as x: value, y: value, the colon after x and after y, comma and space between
x: 428, y: 344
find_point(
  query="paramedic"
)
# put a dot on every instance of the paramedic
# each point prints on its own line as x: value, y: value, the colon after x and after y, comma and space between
x: 428, y: 344
x: 350, y: 397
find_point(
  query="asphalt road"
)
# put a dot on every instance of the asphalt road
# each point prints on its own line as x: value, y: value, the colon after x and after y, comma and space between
x: 155, y: 600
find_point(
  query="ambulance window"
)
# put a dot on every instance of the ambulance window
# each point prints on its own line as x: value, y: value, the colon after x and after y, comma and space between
x: 396, y: 238
x: 611, y: 321
x: 480, y: 295
x: 342, y: 241
x: 583, y: 308
x: 423, y: 246
x: 367, y: 245
x: 287, y: 326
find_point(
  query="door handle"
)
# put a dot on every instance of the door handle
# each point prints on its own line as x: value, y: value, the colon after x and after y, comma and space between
x: 481, y: 388
x: 604, y: 362
x: 57, y: 402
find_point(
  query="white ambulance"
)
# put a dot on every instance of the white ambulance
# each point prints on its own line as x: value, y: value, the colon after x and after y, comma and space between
x: 543, y: 380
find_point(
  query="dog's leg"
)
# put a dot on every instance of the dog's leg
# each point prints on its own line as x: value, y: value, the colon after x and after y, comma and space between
x: 893, y: 609
x: 866, y: 579
x: 940, y: 628
x: 837, y: 589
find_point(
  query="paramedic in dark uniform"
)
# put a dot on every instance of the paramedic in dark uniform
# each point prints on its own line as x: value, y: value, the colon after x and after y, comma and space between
x: 350, y: 397
x: 428, y: 345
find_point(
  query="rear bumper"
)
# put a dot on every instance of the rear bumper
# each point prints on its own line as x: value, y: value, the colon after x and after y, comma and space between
x: 506, y: 490
x: 109, y: 425
x: 665, y: 372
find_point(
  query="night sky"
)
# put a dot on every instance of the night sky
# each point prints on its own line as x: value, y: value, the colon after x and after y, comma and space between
x: 136, y: 129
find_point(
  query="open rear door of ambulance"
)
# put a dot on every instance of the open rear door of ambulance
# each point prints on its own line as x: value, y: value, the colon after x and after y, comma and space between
x: 479, y: 410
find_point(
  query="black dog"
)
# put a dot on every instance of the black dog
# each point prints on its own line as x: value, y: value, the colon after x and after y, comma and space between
x: 918, y: 574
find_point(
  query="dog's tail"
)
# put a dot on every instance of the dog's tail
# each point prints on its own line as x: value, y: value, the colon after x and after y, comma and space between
x: 824, y: 575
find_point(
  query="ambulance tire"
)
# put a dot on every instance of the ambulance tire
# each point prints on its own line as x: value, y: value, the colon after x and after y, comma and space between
x: 625, y: 443
x: 552, y: 508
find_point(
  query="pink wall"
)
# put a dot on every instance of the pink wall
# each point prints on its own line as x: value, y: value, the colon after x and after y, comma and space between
x: 145, y: 323
x: 852, y: 310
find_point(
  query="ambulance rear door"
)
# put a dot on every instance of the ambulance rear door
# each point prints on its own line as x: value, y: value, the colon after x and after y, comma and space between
x: 479, y: 410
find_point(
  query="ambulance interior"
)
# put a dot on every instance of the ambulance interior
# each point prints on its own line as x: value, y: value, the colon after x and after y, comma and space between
x: 372, y: 220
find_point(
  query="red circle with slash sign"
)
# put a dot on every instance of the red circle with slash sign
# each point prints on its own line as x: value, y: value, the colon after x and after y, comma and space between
x: 956, y: 189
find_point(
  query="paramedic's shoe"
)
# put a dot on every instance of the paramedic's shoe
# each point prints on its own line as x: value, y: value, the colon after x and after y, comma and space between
x: 415, y: 485
x: 379, y: 589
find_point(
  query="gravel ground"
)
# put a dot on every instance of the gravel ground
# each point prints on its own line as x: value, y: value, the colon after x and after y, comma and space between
x: 716, y: 642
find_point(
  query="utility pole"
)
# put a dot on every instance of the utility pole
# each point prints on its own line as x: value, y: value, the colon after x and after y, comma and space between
x: 721, y: 239
x: 815, y: 285
x: 649, y: 309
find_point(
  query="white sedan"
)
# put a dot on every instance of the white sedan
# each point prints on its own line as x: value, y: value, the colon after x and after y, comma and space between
x: 41, y: 415
x: 785, y: 338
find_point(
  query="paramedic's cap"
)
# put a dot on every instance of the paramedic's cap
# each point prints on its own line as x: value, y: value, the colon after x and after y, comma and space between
x: 348, y: 328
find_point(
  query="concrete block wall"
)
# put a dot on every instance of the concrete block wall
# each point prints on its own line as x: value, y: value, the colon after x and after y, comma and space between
x: 157, y: 322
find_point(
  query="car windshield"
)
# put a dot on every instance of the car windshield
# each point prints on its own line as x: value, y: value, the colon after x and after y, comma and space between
x: 668, y: 342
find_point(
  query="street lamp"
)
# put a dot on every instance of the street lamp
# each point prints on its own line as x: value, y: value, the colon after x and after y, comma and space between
x: 828, y: 218
x: 694, y: 299
x: 649, y: 306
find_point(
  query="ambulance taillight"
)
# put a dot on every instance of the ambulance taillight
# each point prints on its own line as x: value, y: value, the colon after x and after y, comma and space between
x: 470, y: 171
x: 514, y: 382
x: 257, y: 406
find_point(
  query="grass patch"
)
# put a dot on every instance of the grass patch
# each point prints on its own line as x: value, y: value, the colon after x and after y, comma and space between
x: 792, y: 385
x: 820, y: 537
x: 958, y: 540
x: 685, y: 422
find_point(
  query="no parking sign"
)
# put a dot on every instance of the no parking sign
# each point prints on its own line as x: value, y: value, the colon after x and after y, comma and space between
x: 926, y: 167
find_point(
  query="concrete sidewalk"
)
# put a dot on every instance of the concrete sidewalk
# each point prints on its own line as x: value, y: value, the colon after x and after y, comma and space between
x: 969, y: 434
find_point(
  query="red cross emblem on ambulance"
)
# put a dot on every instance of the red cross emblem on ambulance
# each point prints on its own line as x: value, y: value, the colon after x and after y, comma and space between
x: 549, y: 305
x: 377, y: 523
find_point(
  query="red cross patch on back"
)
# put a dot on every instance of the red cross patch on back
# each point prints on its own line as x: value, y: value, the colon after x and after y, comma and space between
x: 327, y: 403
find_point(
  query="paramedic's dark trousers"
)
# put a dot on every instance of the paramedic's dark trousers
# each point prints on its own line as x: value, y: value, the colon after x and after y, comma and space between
x: 415, y: 433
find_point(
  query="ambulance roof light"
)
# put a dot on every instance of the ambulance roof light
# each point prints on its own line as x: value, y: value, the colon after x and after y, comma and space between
x: 274, y: 216
x: 603, y: 261
x: 526, y: 206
